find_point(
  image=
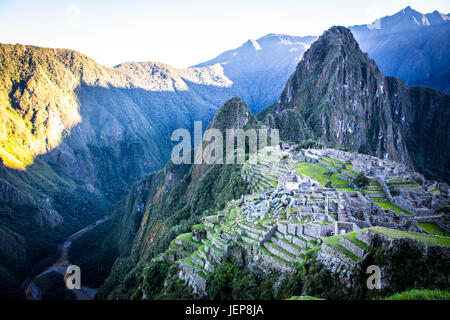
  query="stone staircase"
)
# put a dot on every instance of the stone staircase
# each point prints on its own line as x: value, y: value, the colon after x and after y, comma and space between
x: 342, y: 214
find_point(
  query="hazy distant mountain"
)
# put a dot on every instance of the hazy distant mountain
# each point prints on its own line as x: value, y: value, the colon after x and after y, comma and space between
x: 259, y: 68
x: 410, y: 45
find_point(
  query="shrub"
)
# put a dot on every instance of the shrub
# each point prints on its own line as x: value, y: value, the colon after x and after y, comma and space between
x: 361, y: 181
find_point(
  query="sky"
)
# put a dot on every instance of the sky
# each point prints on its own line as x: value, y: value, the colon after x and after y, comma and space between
x: 180, y: 33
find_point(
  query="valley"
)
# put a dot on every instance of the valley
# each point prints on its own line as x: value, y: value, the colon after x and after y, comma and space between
x: 360, y: 176
x: 33, y: 292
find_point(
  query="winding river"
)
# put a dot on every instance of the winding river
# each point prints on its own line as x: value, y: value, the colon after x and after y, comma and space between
x: 32, y: 292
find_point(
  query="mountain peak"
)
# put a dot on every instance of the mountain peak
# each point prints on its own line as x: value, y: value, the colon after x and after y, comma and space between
x: 233, y: 114
x: 338, y: 31
x: 405, y: 19
x: 407, y: 9
x: 336, y: 36
x: 333, y: 82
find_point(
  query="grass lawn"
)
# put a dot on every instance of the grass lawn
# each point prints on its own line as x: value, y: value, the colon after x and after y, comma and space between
x: 346, y: 189
x: 352, y: 237
x: 433, y: 228
x: 333, y: 160
x: 420, y: 295
x: 334, y: 242
x: 388, y: 205
x: 333, y: 163
x: 397, y: 234
x: 188, y: 237
x: 185, y: 236
x: 316, y: 172
x: 416, y: 187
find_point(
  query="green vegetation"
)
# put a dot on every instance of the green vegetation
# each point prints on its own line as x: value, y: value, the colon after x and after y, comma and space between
x: 361, y: 181
x: 444, y: 209
x: 34, y: 84
x: 333, y: 242
x: 310, y: 144
x: 304, y: 298
x: 388, y: 205
x: 317, y: 172
x: 352, y: 237
x: 397, y: 234
x: 416, y: 294
x: 346, y: 189
x: 228, y: 281
x: 94, y: 257
x: 52, y: 287
x: 433, y: 228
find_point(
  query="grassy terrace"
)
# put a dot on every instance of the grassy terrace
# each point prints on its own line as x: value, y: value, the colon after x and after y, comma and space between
x: 188, y: 237
x: 333, y: 242
x: 332, y: 162
x: 316, y: 172
x: 373, y: 191
x: 266, y: 251
x: 388, y: 205
x: 202, y: 274
x: 301, y: 239
x: 293, y: 245
x: 414, y: 187
x: 280, y: 249
x: 352, y: 237
x: 244, y: 243
x: 397, y: 234
x: 174, y: 244
x: 198, y: 227
x: 189, y: 261
x: 421, y: 294
x: 217, y: 249
x: 346, y: 189
x: 433, y: 228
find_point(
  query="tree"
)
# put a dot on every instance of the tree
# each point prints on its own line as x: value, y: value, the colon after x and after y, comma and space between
x: 361, y: 181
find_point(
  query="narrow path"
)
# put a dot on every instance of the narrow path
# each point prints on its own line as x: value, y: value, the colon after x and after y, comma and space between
x: 32, y: 292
